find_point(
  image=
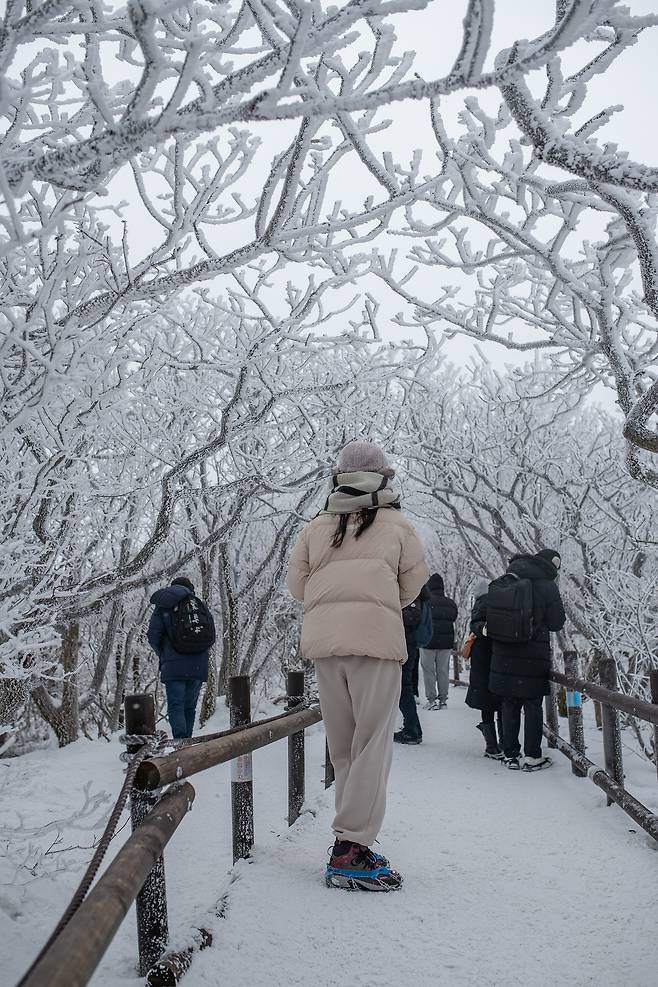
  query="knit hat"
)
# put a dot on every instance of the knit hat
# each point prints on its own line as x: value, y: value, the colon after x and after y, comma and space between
x: 183, y: 581
x: 364, y: 456
x: 481, y: 587
x: 551, y: 555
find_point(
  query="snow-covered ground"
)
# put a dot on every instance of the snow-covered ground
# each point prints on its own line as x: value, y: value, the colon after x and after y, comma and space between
x: 510, y: 879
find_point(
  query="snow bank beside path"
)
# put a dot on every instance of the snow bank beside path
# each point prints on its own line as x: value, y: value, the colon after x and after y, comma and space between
x: 510, y: 879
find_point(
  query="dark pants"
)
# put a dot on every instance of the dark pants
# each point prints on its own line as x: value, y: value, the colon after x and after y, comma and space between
x: 182, y: 697
x: 534, y: 718
x: 407, y: 697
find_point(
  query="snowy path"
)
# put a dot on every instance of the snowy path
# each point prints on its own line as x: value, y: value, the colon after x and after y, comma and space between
x: 510, y: 879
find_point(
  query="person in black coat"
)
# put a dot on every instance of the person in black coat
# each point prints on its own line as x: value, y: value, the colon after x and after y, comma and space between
x: 182, y: 674
x: 435, y: 656
x: 478, y: 695
x: 417, y: 630
x: 519, y: 670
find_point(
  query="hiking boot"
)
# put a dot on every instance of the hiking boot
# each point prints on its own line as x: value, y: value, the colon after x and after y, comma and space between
x: 492, y: 750
x: 512, y: 763
x: 401, y: 737
x: 341, y: 847
x: 359, y: 869
x: 535, y: 763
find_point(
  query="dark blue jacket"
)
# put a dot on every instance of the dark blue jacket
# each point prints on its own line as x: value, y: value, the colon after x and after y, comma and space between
x: 173, y: 665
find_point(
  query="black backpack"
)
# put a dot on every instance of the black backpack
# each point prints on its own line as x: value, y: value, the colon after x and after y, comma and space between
x: 191, y: 627
x: 510, y: 609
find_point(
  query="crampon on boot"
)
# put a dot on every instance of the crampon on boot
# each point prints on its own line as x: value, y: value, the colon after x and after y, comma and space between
x: 492, y: 750
x: 360, y: 869
x: 535, y: 763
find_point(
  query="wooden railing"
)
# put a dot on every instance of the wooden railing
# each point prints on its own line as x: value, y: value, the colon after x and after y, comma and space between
x: 609, y: 779
x: 137, y: 872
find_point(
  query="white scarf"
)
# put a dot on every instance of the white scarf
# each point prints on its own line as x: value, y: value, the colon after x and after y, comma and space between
x: 352, y: 492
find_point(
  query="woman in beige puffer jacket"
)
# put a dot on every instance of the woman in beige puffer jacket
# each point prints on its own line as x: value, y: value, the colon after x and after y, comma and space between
x: 355, y: 566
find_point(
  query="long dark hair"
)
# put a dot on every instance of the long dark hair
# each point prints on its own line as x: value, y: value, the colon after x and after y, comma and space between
x: 365, y: 517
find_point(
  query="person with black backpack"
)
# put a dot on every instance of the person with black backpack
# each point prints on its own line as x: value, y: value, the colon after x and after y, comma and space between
x: 523, y: 607
x: 181, y: 632
x: 435, y: 657
x: 417, y: 620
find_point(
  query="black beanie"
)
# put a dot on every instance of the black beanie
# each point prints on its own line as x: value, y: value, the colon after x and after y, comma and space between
x: 551, y: 555
x: 183, y: 581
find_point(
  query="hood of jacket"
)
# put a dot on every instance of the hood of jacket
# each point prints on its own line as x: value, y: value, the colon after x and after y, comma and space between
x: 170, y: 596
x: 436, y: 583
x: 532, y: 567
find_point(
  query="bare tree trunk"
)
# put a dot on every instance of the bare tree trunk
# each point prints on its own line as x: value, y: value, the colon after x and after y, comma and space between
x: 209, y: 700
x: 65, y: 718
x: 228, y: 664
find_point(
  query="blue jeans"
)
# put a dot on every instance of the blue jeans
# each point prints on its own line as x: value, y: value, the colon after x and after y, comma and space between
x: 407, y: 697
x: 182, y: 697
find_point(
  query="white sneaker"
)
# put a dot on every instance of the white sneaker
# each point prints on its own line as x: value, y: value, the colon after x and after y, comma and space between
x: 534, y: 763
x: 430, y: 704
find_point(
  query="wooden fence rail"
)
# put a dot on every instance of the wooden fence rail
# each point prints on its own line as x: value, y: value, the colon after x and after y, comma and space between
x: 611, y: 779
x: 627, y: 704
x: 158, y: 771
x: 137, y: 871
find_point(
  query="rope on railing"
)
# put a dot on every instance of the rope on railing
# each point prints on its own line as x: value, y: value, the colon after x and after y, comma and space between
x: 150, y: 745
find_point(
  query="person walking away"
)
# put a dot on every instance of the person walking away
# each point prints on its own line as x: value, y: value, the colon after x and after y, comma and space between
x: 435, y: 657
x: 523, y: 607
x: 417, y: 620
x: 478, y: 695
x: 355, y: 566
x: 181, y: 632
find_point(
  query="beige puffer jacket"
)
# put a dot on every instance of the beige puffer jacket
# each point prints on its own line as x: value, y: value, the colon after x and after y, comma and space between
x: 353, y: 595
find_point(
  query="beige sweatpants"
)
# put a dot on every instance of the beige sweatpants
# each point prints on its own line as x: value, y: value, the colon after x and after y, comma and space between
x: 359, y: 700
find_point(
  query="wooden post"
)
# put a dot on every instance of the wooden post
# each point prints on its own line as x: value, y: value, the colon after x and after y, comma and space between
x: 610, y: 720
x: 329, y: 776
x: 242, y: 789
x: 296, y: 760
x: 455, y: 667
x: 653, y: 682
x: 151, y: 903
x: 552, y: 718
x: 575, y: 711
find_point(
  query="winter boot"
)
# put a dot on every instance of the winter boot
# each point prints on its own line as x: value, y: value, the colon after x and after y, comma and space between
x: 402, y: 737
x: 341, y: 847
x: 492, y: 750
x: 535, y: 763
x: 359, y: 869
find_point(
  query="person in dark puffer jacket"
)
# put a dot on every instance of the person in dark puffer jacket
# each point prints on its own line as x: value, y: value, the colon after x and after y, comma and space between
x: 417, y: 627
x: 519, y: 671
x: 478, y: 695
x: 181, y: 675
x: 435, y: 658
